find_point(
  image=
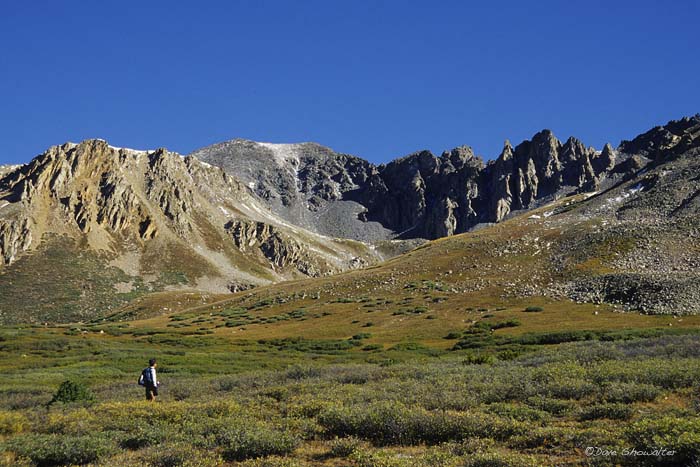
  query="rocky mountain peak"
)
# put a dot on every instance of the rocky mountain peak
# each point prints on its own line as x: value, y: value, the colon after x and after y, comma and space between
x: 114, y: 196
x: 676, y: 137
x: 506, y: 152
x: 605, y: 160
x: 415, y: 196
x: 460, y: 156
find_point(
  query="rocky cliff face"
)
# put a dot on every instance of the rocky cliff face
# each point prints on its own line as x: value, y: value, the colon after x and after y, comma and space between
x: 6, y: 169
x: 420, y: 195
x: 425, y: 196
x: 305, y: 184
x: 165, y: 221
x: 662, y: 142
x: 541, y: 168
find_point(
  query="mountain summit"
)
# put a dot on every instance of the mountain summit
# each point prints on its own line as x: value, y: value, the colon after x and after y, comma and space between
x: 416, y: 196
x: 145, y: 221
x: 87, y: 228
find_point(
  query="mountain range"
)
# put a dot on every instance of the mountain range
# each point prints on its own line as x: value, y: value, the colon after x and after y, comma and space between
x: 88, y: 229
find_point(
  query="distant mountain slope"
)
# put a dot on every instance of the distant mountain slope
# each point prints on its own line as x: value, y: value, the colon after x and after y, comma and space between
x: 86, y: 229
x: 417, y: 196
x: 634, y: 245
x: 104, y: 224
x: 306, y: 184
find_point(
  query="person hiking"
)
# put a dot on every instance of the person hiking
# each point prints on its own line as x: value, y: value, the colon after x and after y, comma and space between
x: 149, y: 380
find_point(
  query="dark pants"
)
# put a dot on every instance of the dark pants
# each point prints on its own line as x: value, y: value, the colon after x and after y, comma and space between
x: 151, y: 392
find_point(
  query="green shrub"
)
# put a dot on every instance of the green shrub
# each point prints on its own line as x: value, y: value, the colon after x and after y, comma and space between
x: 518, y: 412
x: 251, y: 441
x: 182, y: 455
x: 570, y: 388
x: 362, y: 335
x: 509, y: 323
x: 365, y: 458
x: 437, y: 457
x: 478, y: 359
x: 299, y: 372
x: 481, y: 327
x: 72, y: 391
x: 671, y: 433
x: 12, y: 422
x: 508, y: 354
x: 475, y: 341
x: 344, y: 447
x: 533, y: 309
x: 559, y: 337
x: 614, y: 411
x: 453, y: 335
x: 540, y: 437
x: 393, y: 423
x: 144, y: 436
x: 495, y: 459
x: 630, y: 392
x: 54, y: 450
x: 553, y: 406
x: 273, y: 461
x: 470, y: 446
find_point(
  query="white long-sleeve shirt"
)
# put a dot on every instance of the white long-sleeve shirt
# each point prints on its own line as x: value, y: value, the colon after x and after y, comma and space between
x: 153, y: 376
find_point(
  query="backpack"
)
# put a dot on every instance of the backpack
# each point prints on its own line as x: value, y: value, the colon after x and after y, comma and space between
x: 145, y: 378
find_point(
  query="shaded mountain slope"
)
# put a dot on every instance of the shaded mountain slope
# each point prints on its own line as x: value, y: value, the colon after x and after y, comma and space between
x: 419, y: 195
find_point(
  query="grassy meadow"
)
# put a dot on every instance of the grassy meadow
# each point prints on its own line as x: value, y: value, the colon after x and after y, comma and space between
x: 485, y: 396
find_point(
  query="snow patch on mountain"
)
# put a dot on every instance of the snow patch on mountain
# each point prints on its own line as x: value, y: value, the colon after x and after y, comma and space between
x: 284, y: 154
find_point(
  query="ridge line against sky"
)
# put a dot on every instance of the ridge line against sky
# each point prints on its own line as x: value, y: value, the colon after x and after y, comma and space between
x: 375, y: 79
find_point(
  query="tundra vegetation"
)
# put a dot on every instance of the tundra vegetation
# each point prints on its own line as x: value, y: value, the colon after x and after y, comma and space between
x: 69, y: 397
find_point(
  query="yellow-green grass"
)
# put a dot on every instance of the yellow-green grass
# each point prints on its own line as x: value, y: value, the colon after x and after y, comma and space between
x: 450, y: 283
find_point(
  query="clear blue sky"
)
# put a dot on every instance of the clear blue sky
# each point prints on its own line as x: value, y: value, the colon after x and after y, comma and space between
x: 378, y: 79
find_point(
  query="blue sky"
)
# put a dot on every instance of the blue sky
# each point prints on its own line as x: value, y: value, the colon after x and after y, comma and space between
x: 378, y: 79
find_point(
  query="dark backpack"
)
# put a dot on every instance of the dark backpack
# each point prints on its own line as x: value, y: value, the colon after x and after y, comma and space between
x: 145, y: 378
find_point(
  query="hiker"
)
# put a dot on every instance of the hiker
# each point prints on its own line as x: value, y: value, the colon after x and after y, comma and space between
x: 149, y: 381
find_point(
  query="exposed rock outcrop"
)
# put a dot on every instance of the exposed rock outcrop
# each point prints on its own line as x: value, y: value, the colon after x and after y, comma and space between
x: 541, y: 168
x: 663, y: 142
x: 148, y: 201
x: 281, y: 250
x: 15, y: 237
x: 6, y: 169
x: 417, y: 196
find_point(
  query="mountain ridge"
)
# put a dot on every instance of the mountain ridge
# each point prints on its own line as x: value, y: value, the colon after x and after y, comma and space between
x: 419, y: 195
x: 156, y: 220
x: 88, y: 227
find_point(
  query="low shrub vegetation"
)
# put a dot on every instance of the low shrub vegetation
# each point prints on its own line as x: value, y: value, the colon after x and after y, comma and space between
x: 72, y: 391
x: 509, y: 400
x: 253, y: 441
